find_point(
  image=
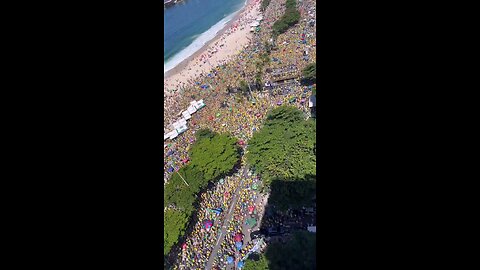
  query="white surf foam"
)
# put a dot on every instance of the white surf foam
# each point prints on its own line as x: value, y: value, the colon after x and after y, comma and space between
x: 197, y: 44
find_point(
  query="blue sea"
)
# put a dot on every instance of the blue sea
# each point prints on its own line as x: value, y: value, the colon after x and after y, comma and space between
x: 189, y: 24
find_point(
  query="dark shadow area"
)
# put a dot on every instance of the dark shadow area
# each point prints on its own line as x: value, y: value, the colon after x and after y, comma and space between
x: 289, y: 214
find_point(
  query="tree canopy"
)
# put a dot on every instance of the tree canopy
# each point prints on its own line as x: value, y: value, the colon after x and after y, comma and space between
x: 309, y: 73
x: 261, y: 264
x: 174, y: 222
x: 264, y: 5
x: 283, y: 153
x: 283, y: 148
x: 290, y: 18
x: 215, y: 156
x: 211, y: 156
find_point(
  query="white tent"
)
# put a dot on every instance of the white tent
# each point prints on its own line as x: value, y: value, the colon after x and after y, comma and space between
x: 255, y: 24
x: 165, y: 136
x: 186, y: 115
x: 173, y: 134
x: 200, y: 104
x: 176, y: 125
x: 191, y: 109
x: 182, y: 122
x: 182, y: 129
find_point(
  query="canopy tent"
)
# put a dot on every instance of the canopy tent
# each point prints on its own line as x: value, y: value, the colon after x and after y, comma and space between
x: 207, y: 224
x: 186, y: 115
x: 217, y: 210
x: 199, y: 104
x: 182, y: 121
x: 182, y: 129
x: 238, y: 237
x: 173, y: 134
x: 229, y: 259
x: 251, y: 222
x: 191, y: 109
x: 176, y: 125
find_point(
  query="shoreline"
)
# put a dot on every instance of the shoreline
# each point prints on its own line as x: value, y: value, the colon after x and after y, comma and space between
x: 184, y: 63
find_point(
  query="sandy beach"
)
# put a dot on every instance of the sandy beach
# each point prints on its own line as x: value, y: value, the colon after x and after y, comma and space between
x: 228, y: 42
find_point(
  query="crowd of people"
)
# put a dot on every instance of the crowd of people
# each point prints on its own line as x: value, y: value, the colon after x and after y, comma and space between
x: 199, y: 243
x: 240, y: 115
x: 246, y: 207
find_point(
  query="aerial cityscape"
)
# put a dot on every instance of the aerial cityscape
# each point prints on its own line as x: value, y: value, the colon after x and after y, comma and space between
x: 240, y: 134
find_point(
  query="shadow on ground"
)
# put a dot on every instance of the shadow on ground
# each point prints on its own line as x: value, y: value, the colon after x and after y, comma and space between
x: 289, y: 211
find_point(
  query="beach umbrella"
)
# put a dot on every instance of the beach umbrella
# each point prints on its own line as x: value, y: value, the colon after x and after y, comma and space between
x: 240, y: 264
x: 221, y: 181
x: 207, y: 224
x: 238, y: 237
x: 251, y: 222
x: 238, y: 245
x: 229, y: 259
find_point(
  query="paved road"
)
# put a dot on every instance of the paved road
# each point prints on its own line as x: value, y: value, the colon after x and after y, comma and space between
x: 225, y: 222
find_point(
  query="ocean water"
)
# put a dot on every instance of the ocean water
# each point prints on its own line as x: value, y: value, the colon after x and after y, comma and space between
x: 190, y: 24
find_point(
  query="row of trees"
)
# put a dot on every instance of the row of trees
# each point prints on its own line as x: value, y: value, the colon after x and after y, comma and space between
x: 290, y: 18
x: 211, y: 157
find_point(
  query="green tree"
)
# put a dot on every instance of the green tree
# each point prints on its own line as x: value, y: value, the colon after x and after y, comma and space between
x: 283, y: 153
x: 261, y: 264
x: 215, y: 156
x: 289, y: 18
x: 174, y: 223
x: 244, y: 86
x: 264, y: 5
x: 309, y: 73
